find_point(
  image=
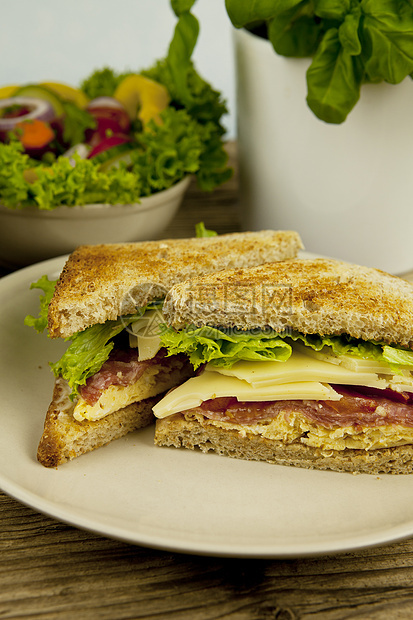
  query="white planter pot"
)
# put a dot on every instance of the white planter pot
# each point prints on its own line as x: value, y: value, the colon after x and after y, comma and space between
x: 347, y: 189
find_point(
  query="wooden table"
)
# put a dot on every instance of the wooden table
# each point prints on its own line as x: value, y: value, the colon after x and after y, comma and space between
x: 53, y: 571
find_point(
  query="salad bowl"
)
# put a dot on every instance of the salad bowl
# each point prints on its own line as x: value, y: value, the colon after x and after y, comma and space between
x: 31, y: 235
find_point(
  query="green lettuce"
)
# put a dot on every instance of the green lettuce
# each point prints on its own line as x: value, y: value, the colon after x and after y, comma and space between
x: 88, y: 349
x: 226, y: 347
x: 395, y: 357
x: 202, y: 231
x: 87, y: 352
x: 39, y: 323
x: 101, y: 83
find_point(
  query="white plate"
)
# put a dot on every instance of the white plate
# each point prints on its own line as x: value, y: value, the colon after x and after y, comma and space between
x: 175, y: 499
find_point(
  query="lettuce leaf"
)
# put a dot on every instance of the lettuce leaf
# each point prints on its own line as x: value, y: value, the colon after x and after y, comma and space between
x: 202, y: 231
x: 88, y: 349
x: 395, y: 357
x: 226, y: 347
x: 14, y: 189
x: 169, y: 151
x: 102, y: 82
x: 86, y: 353
x: 39, y: 323
x: 222, y: 348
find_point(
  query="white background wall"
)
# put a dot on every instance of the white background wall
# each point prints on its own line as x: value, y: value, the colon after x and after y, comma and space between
x: 65, y: 40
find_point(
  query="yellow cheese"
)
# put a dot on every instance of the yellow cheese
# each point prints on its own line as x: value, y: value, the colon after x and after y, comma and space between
x: 144, y: 334
x: 212, y: 384
x: 302, y: 366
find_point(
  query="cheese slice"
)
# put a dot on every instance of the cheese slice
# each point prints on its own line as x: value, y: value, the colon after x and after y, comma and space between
x: 304, y: 367
x: 301, y: 377
x: 212, y: 384
x: 144, y: 334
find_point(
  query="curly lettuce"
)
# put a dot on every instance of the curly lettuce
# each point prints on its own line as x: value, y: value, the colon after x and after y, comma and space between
x: 88, y: 349
x: 165, y: 153
x: 224, y: 348
x: 39, y: 323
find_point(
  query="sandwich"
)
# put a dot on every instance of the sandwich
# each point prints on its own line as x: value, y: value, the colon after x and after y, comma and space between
x: 305, y: 362
x: 107, y: 303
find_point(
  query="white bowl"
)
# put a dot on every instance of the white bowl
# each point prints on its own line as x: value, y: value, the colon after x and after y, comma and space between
x: 31, y: 235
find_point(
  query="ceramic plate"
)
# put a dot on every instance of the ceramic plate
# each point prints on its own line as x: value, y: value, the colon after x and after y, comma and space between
x: 176, y: 500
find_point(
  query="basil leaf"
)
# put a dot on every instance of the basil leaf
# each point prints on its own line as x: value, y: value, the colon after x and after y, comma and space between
x: 332, y: 9
x: 246, y: 12
x: 181, y: 6
x: 180, y: 52
x: 295, y: 32
x: 388, y: 37
x: 333, y: 80
x: 348, y: 32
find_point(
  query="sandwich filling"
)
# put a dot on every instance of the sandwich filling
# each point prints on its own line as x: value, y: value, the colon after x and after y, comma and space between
x: 317, y: 397
x: 111, y: 365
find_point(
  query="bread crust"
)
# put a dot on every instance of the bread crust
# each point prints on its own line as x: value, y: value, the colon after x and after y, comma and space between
x: 187, y: 432
x: 102, y: 282
x: 312, y: 296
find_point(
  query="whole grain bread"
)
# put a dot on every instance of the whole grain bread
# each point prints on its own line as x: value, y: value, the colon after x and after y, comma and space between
x: 186, y: 432
x: 102, y: 282
x: 313, y: 296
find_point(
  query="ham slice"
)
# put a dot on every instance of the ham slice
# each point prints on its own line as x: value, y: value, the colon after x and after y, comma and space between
x: 357, y: 408
x: 122, y: 368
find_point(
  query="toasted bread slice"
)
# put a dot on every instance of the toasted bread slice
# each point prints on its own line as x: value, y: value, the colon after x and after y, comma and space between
x: 103, y: 282
x: 312, y: 296
x: 186, y: 431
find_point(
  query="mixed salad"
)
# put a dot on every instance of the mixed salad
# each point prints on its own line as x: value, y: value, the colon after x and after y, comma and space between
x: 117, y: 137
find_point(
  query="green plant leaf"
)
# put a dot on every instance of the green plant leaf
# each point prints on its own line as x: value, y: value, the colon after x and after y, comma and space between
x: 295, y: 32
x: 388, y: 39
x: 202, y: 231
x: 332, y: 9
x: 244, y: 12
x: 179, y: 54
x: 39, y: 323
x: 181, y: 6
x: 348, y: 32
x: 333, y: 80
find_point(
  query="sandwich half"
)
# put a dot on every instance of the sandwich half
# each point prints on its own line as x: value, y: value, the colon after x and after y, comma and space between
x: 107, y: 303
x: 304, y: 362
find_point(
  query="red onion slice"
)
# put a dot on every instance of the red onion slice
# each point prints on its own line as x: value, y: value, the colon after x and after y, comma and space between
x: 105, y: 102
x: 38, y: 109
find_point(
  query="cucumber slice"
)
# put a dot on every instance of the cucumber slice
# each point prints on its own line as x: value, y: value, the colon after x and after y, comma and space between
x: 41, y: 92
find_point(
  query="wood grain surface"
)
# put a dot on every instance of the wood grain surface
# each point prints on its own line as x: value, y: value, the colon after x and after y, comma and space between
x: 54, y: 571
